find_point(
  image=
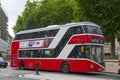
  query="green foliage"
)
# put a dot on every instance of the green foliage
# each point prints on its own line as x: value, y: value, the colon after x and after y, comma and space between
x: 54, y: 12
x: 26, y: 19
x: 47, y: 12
x: 106, y: 13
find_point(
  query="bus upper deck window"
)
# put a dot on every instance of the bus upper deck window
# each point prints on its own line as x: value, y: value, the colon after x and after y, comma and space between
x: 78, y: 30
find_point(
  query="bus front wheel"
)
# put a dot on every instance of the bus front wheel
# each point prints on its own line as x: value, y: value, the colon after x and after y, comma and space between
x: 65, y: 68
x: 21, y: 65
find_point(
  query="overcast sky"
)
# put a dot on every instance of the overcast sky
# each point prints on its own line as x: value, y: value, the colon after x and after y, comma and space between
x: 13, y: 8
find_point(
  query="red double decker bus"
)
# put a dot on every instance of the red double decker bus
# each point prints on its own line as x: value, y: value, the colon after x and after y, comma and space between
x: 73, y: 47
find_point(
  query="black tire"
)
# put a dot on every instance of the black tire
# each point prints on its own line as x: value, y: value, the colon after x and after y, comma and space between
x: 118, y: 71
x: 21, y: 65
x: 5, y: 66
x: 65, y: 68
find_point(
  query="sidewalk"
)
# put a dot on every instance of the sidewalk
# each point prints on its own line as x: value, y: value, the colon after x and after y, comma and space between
x: 34, y: 76
x: 111, y: 66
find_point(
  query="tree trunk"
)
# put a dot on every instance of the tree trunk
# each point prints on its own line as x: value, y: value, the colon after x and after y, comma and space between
x: 112, y: 40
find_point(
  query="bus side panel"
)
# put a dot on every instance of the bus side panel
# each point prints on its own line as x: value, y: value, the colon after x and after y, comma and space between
x: 55, y: 65
x: 95, y: 67
x: 14, y: 51
x: 85, y: 66
x: 78, y: 66
x: 45, y: 64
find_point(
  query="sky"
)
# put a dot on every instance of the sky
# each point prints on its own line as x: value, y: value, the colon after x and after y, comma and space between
x: 12, y: 8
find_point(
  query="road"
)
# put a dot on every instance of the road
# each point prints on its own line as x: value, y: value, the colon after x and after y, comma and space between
x: 14, y: 74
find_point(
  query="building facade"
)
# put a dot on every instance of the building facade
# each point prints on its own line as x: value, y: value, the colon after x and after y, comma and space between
x: 4, y: 35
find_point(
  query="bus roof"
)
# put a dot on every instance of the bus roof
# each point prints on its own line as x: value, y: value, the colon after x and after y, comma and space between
x: 57, y: 27
x: 81, y: 23
x: 40, y: 29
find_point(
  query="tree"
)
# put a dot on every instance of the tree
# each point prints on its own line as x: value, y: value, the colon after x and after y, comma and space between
x: 27, y: 15
x: 47, y: 12
x: 105, y: 13
x: 18, y: 23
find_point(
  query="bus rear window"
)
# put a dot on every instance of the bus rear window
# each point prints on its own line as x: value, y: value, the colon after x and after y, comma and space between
x: 92, y: 29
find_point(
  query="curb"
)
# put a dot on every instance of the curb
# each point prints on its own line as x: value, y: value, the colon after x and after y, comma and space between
x: 111, y: 72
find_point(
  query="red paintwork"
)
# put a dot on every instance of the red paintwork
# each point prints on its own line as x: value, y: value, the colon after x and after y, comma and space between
x: 79, y: 65
x: 55, y: 64
x: 14, y: 49
x: 83, y: 39
x: 119, y: 62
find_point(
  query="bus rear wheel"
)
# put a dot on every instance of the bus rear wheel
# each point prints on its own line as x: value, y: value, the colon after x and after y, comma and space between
x: 21, y: 65
x: 65, y: 68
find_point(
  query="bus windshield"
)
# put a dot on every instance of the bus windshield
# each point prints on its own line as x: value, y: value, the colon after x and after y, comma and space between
x: 92, y: 29
x: 94, y: 53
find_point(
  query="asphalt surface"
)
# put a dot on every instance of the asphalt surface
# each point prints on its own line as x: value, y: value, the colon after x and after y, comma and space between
x: 15, y: 74
x: 13, y: 78
x: 62, y: 76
